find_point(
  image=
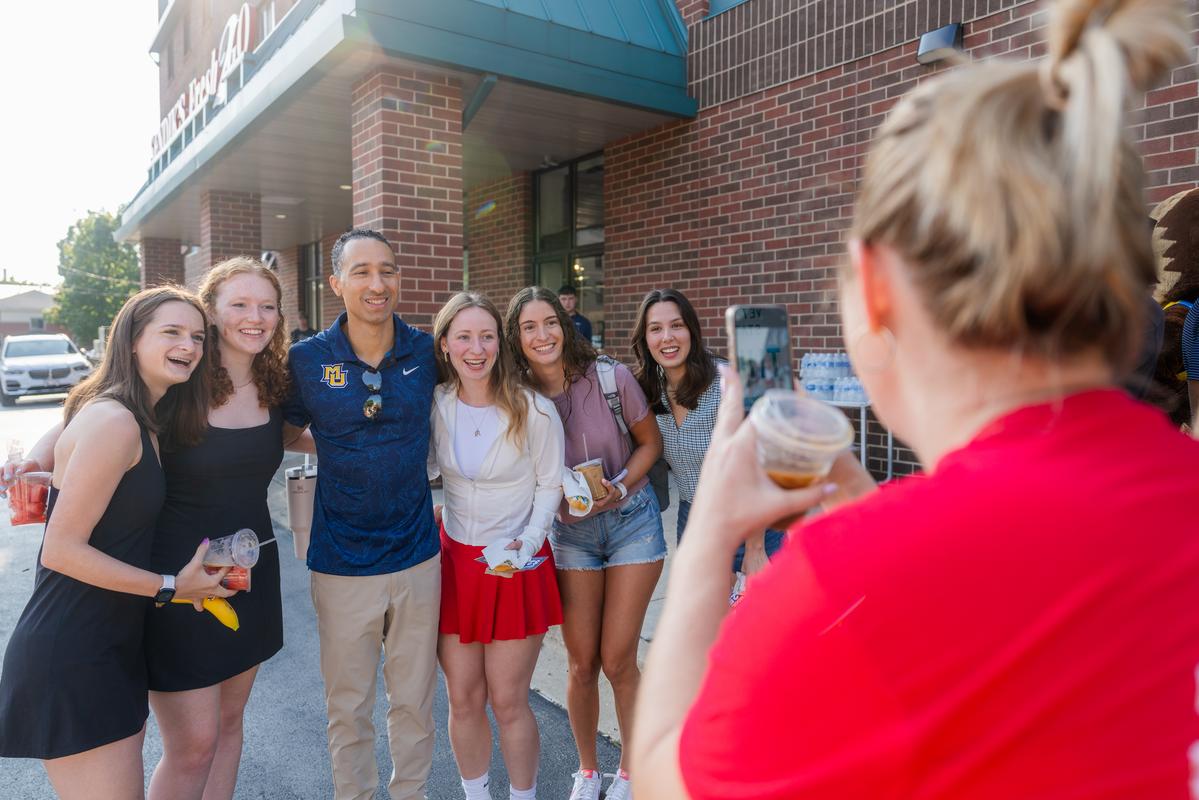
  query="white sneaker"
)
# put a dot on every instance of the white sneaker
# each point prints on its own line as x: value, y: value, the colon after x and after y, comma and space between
x: 587, y: 785
x: 619, y: 788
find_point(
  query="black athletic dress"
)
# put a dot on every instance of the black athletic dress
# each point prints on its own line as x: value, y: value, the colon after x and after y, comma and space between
x: 75, y: 672
x: 214, y: 489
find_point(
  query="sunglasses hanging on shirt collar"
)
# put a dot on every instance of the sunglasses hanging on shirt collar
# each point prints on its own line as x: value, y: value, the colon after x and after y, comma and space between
x: 374, y: 402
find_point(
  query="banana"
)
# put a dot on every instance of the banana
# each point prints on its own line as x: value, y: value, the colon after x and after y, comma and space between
x: 220, y: 608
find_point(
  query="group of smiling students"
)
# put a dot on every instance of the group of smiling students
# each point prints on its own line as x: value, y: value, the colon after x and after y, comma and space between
x: 517, y: 400
x: 1008, y: 624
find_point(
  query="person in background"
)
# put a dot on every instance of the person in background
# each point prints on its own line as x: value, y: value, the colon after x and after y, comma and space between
x: 1175, y: 384
x: 570, y: 302
x: 73, y: 690
x: 678, y: 375
x: 303, y: 331
x: 1008, y: 624
x: 365, y: 386
x: 499, y: 449
x: 608, y: 561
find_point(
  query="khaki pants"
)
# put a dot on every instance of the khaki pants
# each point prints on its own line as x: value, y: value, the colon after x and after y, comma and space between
x: 355, y: 616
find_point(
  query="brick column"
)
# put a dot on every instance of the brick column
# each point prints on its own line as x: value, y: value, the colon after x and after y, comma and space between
x: 230, y: 225
x: 499, y: 225
x: 161, y: 261
x: 407, y: 161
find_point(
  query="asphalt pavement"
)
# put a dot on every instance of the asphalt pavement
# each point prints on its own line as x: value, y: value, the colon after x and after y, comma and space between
x: 285, y: 754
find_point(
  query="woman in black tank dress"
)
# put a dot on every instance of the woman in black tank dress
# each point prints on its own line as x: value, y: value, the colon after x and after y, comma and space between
x: 213, y: 489
x: 73, y: 687
x: 200, y: 672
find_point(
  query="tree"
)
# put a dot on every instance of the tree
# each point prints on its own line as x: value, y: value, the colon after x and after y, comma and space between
x: 99, y: 274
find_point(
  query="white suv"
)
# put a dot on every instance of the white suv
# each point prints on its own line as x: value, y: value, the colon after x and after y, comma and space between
x: 33, y: 364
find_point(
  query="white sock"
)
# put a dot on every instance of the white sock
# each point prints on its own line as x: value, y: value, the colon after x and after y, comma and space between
x: 476, y: 788
x: 522, y: 794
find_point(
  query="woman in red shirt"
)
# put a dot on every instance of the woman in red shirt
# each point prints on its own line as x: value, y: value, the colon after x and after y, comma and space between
x: 1019, y: 622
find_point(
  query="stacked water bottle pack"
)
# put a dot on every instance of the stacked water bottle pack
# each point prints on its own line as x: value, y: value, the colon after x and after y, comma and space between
x: 829, y: 377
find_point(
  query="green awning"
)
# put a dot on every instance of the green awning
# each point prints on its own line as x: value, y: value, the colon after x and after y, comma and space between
x: 632, y: 52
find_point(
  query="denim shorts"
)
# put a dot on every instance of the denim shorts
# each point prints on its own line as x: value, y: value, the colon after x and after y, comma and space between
x: 774, y: 539
x: 629, y: 534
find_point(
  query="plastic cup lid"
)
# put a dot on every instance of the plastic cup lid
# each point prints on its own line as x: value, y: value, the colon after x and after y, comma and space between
x: 789, y: 416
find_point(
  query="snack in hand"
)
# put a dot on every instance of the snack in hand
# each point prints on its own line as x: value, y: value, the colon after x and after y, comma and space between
x: 219, y: 607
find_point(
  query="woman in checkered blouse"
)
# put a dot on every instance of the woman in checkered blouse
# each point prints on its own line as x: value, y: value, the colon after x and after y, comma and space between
x: 678, y: 375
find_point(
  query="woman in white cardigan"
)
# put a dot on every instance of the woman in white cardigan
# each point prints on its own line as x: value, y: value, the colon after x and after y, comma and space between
x: 499, y: 449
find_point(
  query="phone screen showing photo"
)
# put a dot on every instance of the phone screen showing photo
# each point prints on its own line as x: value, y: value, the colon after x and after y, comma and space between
x: 763, y: 349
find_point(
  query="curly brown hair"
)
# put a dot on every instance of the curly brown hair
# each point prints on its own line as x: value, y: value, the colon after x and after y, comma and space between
x: 577, y: 352
x: 269, y: 370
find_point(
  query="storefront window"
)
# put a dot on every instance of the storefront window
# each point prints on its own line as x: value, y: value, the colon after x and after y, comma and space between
x: 313, y: 284
x: 553, y: 209
x: 569, y: 241
x: 589, y: 208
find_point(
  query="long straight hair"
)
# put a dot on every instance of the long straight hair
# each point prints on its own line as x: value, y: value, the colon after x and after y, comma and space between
x: 181, y: 415
x: 504, y: 384
x: 699, y: 366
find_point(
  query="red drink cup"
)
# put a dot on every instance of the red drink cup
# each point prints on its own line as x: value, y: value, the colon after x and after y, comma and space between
x: 238, y: 579
x: 27, y: 498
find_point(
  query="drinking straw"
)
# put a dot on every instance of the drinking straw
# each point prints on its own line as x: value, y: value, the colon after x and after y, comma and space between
x: 586, y: 455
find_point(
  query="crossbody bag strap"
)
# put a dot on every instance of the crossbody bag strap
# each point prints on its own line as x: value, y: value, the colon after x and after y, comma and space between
x: 605, y: 369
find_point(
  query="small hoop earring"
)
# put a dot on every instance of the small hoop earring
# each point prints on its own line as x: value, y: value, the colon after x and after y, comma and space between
x: 874, y: 351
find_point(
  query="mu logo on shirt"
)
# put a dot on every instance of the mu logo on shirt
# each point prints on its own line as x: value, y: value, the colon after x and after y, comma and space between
x: 335, y: 375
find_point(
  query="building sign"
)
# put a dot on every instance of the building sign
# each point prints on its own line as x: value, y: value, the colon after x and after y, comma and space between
x: 210, y: 87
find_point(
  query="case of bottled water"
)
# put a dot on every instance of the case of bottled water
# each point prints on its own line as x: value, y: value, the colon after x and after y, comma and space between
x: 829, y: 377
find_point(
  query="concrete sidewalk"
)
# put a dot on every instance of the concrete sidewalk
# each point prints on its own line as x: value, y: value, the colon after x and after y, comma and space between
x: 550, y: 678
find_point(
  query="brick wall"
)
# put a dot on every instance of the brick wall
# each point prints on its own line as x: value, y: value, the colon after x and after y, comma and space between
x: 499, y: 228
x: 17, y: 328
x: 160, y: 261
x: 407, y: 177
x: 693, y: 10
x: 750, y: 202
x: 205, y: 23
x: 764, y: 43
x: 230, y: 225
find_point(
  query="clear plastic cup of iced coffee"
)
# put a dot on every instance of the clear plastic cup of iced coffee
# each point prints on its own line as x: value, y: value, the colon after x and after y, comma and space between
x: 798, y: 437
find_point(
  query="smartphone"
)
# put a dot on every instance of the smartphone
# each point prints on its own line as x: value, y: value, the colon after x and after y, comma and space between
x: 760, y: 348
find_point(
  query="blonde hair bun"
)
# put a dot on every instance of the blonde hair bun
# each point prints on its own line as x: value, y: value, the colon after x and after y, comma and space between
x: 1013, y: 190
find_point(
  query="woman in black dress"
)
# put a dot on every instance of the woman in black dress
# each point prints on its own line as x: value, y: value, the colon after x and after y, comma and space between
x: 73, y: 691
x: 200, y: 672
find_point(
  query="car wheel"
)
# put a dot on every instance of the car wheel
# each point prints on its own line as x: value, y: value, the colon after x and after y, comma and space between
x: 7, y: 400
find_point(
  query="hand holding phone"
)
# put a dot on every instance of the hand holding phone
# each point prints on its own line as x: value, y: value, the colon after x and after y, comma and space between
x: 760, y: 349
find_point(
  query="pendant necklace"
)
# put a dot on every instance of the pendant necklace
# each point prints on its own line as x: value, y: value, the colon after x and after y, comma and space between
x: 474, y: 421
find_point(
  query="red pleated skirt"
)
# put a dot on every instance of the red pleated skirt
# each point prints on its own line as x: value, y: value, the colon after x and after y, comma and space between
x: 483, y: 608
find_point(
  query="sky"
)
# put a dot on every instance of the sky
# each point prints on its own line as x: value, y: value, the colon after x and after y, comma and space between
x: 79, y: 100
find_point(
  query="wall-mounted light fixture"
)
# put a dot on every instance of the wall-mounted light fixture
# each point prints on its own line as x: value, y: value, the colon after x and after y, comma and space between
x: 940, y: 44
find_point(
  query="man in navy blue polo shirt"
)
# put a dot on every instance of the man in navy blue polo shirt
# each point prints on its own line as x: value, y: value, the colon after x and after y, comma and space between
x: 365, y: 386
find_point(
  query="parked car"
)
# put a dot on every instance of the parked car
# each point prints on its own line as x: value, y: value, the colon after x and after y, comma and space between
x: 39, y: 363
